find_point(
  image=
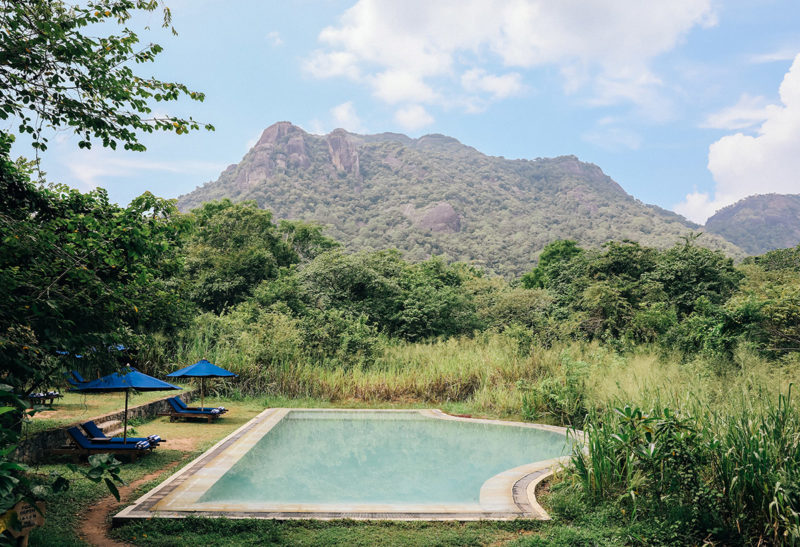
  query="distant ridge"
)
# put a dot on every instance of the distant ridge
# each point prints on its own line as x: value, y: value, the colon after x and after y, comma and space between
x: 435, y: 195
x: 761, y: 223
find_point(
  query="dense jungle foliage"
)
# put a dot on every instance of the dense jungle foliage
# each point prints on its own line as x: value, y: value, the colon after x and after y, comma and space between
x: 74, y: 268
x: 303, y: 299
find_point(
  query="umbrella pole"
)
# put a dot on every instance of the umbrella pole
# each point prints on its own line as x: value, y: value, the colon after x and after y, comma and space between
x: 125, y: 424
x: 202, y: 392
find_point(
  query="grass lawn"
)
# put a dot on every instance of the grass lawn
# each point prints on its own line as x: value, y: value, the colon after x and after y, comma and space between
x: 195, y: 436
x: 77, y: 407
x: 64, y: 510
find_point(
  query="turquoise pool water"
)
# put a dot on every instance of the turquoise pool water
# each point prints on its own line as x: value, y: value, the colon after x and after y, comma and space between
x: 379, y: 457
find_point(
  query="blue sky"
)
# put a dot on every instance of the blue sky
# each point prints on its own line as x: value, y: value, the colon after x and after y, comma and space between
x: 688, y: 104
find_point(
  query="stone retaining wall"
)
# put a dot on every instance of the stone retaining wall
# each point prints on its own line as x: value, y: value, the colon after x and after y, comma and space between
x: 34, y: 448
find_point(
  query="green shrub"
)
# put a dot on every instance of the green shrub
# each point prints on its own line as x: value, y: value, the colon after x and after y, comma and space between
x: 561, y: 396
x: 521, y: 336
x: 736, y: 479
x: 337, y: 338
x: 650, y: 463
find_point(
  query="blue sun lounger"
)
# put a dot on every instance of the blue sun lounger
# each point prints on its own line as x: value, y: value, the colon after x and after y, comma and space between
x: 74, y: 378
x: 96, y: 435
x: 176, y: 411
x: 83, y: 446
x: 221, y: 409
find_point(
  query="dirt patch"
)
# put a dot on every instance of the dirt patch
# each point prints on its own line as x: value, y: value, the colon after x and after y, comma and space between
x: 185, y: 444
x: 95, y: 526
x: 543, y: 488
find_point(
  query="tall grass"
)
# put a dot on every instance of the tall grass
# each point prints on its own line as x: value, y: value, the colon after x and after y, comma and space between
x: 731, y: 473
x: 755, y: 460
x: 490, y: 373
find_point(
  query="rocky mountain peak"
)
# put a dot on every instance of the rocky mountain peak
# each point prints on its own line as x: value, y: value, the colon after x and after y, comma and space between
x: 277, y: 132
x: 343, y: 149
x: 439, y: 217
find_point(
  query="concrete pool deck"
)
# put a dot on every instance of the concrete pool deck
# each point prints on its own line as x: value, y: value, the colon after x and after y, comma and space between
x: 505, y: 496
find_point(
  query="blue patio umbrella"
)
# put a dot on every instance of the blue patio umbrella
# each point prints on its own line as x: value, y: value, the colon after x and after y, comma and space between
x: 202, y: 369
x: 129, y: 379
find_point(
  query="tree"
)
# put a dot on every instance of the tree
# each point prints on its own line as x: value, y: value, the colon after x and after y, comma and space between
x: 687, y: 272
x: 779, y: 259
x: 365, y: 283
x: 235, y: 247
x: 78, y: 273
x: 552, y: 256
x: 54, y: 75
x: 305, y: 238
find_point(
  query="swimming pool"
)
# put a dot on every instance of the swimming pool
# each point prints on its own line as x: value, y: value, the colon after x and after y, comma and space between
x: 406, y: 464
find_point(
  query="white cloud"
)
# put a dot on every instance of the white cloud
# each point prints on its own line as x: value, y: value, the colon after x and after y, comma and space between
x: 413, y: 117
x: 344, y: 116
x: 766, y: 162
x: 90, y: 167
x: 395, y: 86
x: 341, y: 116
x: 603, y: 47
x: 328, y: 65
x: 274, y: 38
x: 698, y: 206
x: 783, y: 54
x: 499, y: 87
x: 747, y: 112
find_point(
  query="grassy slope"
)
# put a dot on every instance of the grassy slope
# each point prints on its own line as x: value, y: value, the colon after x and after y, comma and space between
x: 481, y: 375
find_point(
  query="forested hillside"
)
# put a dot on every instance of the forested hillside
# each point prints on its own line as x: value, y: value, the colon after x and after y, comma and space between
x: 758, y: 224
x: 436, y: 196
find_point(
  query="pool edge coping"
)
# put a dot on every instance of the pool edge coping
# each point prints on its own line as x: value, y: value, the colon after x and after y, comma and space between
x: 521, y: 481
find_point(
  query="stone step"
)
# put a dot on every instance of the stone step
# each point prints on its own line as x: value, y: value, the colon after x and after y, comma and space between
x: 109, y: 425
x: 115, y: 433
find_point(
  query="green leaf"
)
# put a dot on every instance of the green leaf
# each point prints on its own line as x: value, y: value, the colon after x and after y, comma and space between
x: 112, y: 488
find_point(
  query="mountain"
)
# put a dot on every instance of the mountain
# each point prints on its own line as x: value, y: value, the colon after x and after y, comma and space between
x: 758, y: 224
x: 434, y: 195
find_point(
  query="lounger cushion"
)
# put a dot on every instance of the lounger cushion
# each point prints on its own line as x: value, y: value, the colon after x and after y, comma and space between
x: 94, y: 431
x: 173, y: 401
x: 180, y: 403
x: 85, y: 443
x: 78, y: 377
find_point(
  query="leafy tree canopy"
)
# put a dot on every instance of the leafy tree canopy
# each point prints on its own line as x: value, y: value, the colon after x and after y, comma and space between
x: 235, y: 247
x: 54, y: 74
x: 780, y: 259
x: 553, y: 255
x: 411, y: 301
x: 687, y: 272
x: 79, y: 273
